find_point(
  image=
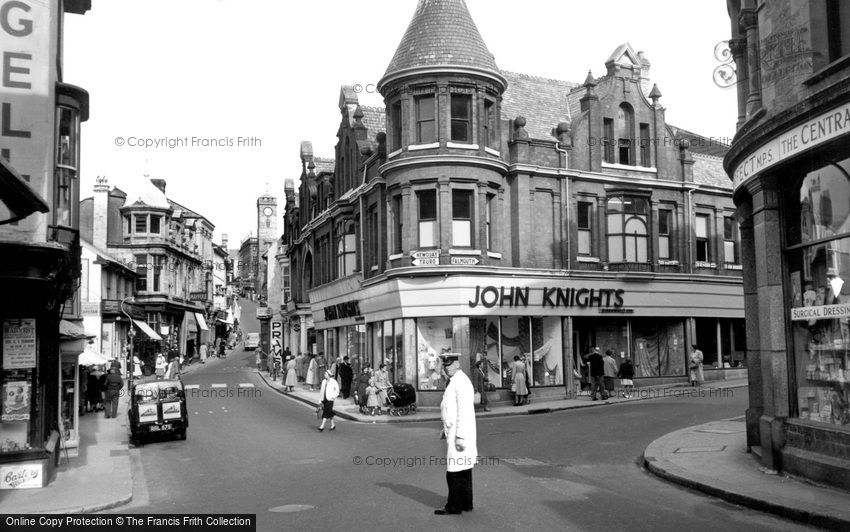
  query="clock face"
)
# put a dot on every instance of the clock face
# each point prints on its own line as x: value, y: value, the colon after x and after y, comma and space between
x: 268, y: 211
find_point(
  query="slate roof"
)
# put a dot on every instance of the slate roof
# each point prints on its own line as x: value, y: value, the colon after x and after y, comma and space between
x: 700, y: 144
x: 708, y: 170
x: 543, y: 102
x: 442, y: 32
x: 324, y: 164
x: 375, y: 120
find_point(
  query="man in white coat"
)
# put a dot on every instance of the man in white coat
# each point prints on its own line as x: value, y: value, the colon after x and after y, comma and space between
x: 458, y: 414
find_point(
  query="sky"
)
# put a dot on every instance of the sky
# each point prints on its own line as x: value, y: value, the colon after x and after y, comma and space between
x: 169, y: 80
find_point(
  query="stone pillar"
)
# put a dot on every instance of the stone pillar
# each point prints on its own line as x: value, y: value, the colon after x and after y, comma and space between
x: 738, y: 47
x: 444, y: 218
x: 748, y: 22
x: 302, y: 341
x: 769, y: 318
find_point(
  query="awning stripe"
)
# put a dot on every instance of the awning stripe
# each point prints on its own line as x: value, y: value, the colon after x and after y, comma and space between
x: 147, y: 330
x: 202, y: 323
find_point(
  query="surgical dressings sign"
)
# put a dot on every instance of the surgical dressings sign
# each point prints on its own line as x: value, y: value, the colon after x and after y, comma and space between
x: 18, y: 344
x: 823, y: 312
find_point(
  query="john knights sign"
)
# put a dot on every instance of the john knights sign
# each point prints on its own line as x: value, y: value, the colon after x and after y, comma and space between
x: 516, y: 296
x: 349, y: 309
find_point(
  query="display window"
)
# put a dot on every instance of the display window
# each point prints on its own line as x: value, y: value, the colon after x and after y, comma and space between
x: 658, y: 347
x: 17, y: 384
x: 547, y: 351
x: 817, y: 257
x: 433, y: 338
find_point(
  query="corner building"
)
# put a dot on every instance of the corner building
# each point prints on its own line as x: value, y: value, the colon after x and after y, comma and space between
x: 789, y: 164
x: 497, y: 214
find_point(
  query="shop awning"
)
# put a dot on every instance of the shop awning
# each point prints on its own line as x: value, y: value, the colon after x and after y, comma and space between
x: 89, y: 357
x: 202, y: 323
x: 147, y: 330
x: 69, y: 330
x: 227, y: 320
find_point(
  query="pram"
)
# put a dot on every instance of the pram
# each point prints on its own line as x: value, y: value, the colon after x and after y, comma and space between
x: 402, y: 399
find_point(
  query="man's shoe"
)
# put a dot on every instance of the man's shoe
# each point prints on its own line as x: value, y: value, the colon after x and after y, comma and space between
x: 468, y: 509
x: 446, y: 511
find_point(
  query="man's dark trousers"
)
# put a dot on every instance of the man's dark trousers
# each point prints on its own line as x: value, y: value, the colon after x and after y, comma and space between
x: 460, y: 490
x: 599, y: 384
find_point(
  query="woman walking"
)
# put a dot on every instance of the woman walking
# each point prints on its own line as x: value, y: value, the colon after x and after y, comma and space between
x: 520, y: 387
x: 330, y: 389
x: 291, y: 378
x: 313, y: 373
x: 695, y: 366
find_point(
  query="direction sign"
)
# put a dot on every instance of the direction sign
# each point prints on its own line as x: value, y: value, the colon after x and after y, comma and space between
x: 466, y: 261
x: 426, y: 262
x: 430, y: 254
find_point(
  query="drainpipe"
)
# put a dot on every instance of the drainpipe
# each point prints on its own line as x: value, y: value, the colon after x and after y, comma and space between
x: 691, y: 229
x: 567, y: 193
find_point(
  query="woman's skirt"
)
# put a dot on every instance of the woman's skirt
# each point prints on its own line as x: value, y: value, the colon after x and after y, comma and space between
x: 291, y: 378
x: 160, y: 372
x: 327, y: 409
x: 609, y: 384
x: 372, y: 400
x: 627, y: 382
x: 520, y: 387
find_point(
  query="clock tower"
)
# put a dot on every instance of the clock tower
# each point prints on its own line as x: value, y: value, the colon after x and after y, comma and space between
x: 266, y: 234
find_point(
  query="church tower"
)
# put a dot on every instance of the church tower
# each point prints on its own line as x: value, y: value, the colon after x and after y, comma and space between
x: 266, y: 234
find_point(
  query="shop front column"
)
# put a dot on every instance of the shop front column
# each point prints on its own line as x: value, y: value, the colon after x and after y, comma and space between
x: 770, y: 318
x: 303, y: 334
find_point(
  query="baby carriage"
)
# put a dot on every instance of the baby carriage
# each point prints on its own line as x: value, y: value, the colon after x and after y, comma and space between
x: 402, y: 399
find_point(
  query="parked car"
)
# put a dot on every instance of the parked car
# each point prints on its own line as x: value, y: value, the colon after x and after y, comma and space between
x: 252, y: 341
x: 158, y: 407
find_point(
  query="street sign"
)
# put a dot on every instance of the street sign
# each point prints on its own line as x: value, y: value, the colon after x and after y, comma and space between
x: 425, y: 258
x: 264, y: 312
x: 465, y: 261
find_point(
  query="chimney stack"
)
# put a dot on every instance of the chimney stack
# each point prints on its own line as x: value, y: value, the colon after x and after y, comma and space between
x: 159, y: 183
x: 100, y: 210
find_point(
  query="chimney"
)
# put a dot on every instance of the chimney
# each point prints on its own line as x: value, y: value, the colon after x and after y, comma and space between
x: 224, y: 241
x: 100, y: 212
x: 159, y: 183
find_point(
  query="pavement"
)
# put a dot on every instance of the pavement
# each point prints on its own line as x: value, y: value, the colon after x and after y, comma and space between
x: 99, y: 478
x: 713, y: 458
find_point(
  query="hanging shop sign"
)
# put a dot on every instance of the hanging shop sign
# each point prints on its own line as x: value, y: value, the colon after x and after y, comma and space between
x: 349, y: 309
x: 19, y: 350
x: 264, y: 312
x: 554, y: 297
x: 425, y: 258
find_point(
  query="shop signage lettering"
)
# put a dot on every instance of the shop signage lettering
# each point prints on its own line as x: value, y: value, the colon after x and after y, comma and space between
x: 349, y: 309
x: 17, y: 477
x: 809, y: 134
x: 197, y: 296
x: 821, y: 312
x: 19, y: 344
x: 90, y: 308
x: 516, y: 296
x: 276, y: 338
x: 425, y: 258
x: 465, y: 261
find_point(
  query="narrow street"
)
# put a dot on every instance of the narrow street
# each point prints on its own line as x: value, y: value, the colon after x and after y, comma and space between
x: 252, y: 450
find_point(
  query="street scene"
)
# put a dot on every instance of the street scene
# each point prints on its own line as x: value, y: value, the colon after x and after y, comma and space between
x: 506, y: 282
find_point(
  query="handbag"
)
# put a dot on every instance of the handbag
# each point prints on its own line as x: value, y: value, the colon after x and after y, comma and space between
x: 476, y: 399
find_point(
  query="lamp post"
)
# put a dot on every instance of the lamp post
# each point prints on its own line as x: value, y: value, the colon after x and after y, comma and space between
x: 131, y: 334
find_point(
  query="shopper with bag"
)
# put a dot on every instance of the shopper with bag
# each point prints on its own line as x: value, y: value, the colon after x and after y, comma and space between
x: 695, y: 366
x: 479, y: 383
x: 329, y: 391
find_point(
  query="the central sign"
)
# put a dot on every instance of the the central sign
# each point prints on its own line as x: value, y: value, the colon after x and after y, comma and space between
x: 517, y: 296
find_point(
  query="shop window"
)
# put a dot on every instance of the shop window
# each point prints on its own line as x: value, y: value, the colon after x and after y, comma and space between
x: 462, y: 218
x: 433, y: 338
x: 645, y: 159
x: 658, y: 347
x: 398, y: 223
x: 426, y: 123
x: 585, y: 227
x: 427, y: 200
x: 484, y: 345
x: 627, y: 229
x: 730, y: 240
x: 490, y: 130
x: 707, y: 331
x: 702, y: 238
x: 838, y: 28
x: 461, y: 114
x: 395, y: 122
x: 665, y: 228
x: 547, y: 367
x: 608, y: 140
x: 19, y: 401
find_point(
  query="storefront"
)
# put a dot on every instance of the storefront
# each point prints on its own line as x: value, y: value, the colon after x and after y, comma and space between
x: 407, y: 322
x: 795, y: 190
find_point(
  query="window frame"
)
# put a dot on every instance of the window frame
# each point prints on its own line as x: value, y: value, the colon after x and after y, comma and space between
x: 456, y: 220
x: 397, y: 205
x: 665, y: 234
x: 420, y: 139
x: 464, y: 119
x: 730, y: 236
x: 420, y: 219
x: 588, y: 229
x: 702, y: 241
x: 627, y: 216
x: 396, y: 125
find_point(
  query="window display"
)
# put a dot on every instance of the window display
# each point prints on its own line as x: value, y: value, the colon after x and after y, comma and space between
x: 547, y: 356
x: 15, y: 411
x: 434, y: 337
x: 818, y: 260
x: 484, y: 343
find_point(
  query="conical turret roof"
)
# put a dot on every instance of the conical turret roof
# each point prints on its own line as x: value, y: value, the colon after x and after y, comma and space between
x: 442, y: 36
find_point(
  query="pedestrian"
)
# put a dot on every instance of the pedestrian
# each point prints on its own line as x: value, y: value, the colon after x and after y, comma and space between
x: 626, y: 374
x: 83, y: 384
x: 597, y: 374
x: 329, y: 391
x: 160, y: 366
x: 93, y: 394
x: 479, y: 382
x: 382, y: 383
x: 312, y: 373
x: 372, y: 401
x: 346, y: 374
x: 610, y: 371
x: 334, y: 366
x: 203, y: 351
x: 695, y: 366
x: 113, y: 385
x: 520, y: 382
x: 457, y: 411
x: 171, y: 369
x: 137, y: 367
x: 300, y: 367
x: 291, y: 380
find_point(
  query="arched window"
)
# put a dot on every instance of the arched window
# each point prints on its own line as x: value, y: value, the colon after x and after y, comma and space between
x: 625, y: 134
x: 627, y: 229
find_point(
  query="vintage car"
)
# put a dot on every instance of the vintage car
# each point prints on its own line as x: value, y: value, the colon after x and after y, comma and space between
x: 252, y: 341
x: 158, y: 407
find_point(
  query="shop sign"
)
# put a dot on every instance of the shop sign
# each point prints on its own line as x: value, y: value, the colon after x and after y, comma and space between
x: 464, y: 261
x: 113, y: 306
x: 518, y: 296
x: 264, y: 312
x: 197, y: 296
x: 13, y: 477
x: 16, y: 401
x: 811, y: 133
x: 425, y: 258
x: 349, y: 309
x: 90, y: 308
x: 19, y: 344
x: 820, y: 313
x: 276, y: 337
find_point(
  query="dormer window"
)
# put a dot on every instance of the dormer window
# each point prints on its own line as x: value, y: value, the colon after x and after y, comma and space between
x: 426, y: 123
x: 461, y: 112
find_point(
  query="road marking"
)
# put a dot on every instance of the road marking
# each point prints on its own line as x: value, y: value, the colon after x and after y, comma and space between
x: 245, y: 385
x: 715, y: 449
x: 218, y: 386
x: 517, y: 461
x: 211, y: 411
x: 192, y: 386
x: 288, y: 508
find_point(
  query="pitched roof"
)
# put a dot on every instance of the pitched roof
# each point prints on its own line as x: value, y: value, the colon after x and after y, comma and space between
x: 708, y: 170
x: 324, y: 164
x: 375, y: 120
x: 699, y: 144
x: 543, y: 102
x: 442, y: 33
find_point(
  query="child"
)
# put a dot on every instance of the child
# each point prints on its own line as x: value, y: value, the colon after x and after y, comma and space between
x: 626, y: 373
x: 372, y: 400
